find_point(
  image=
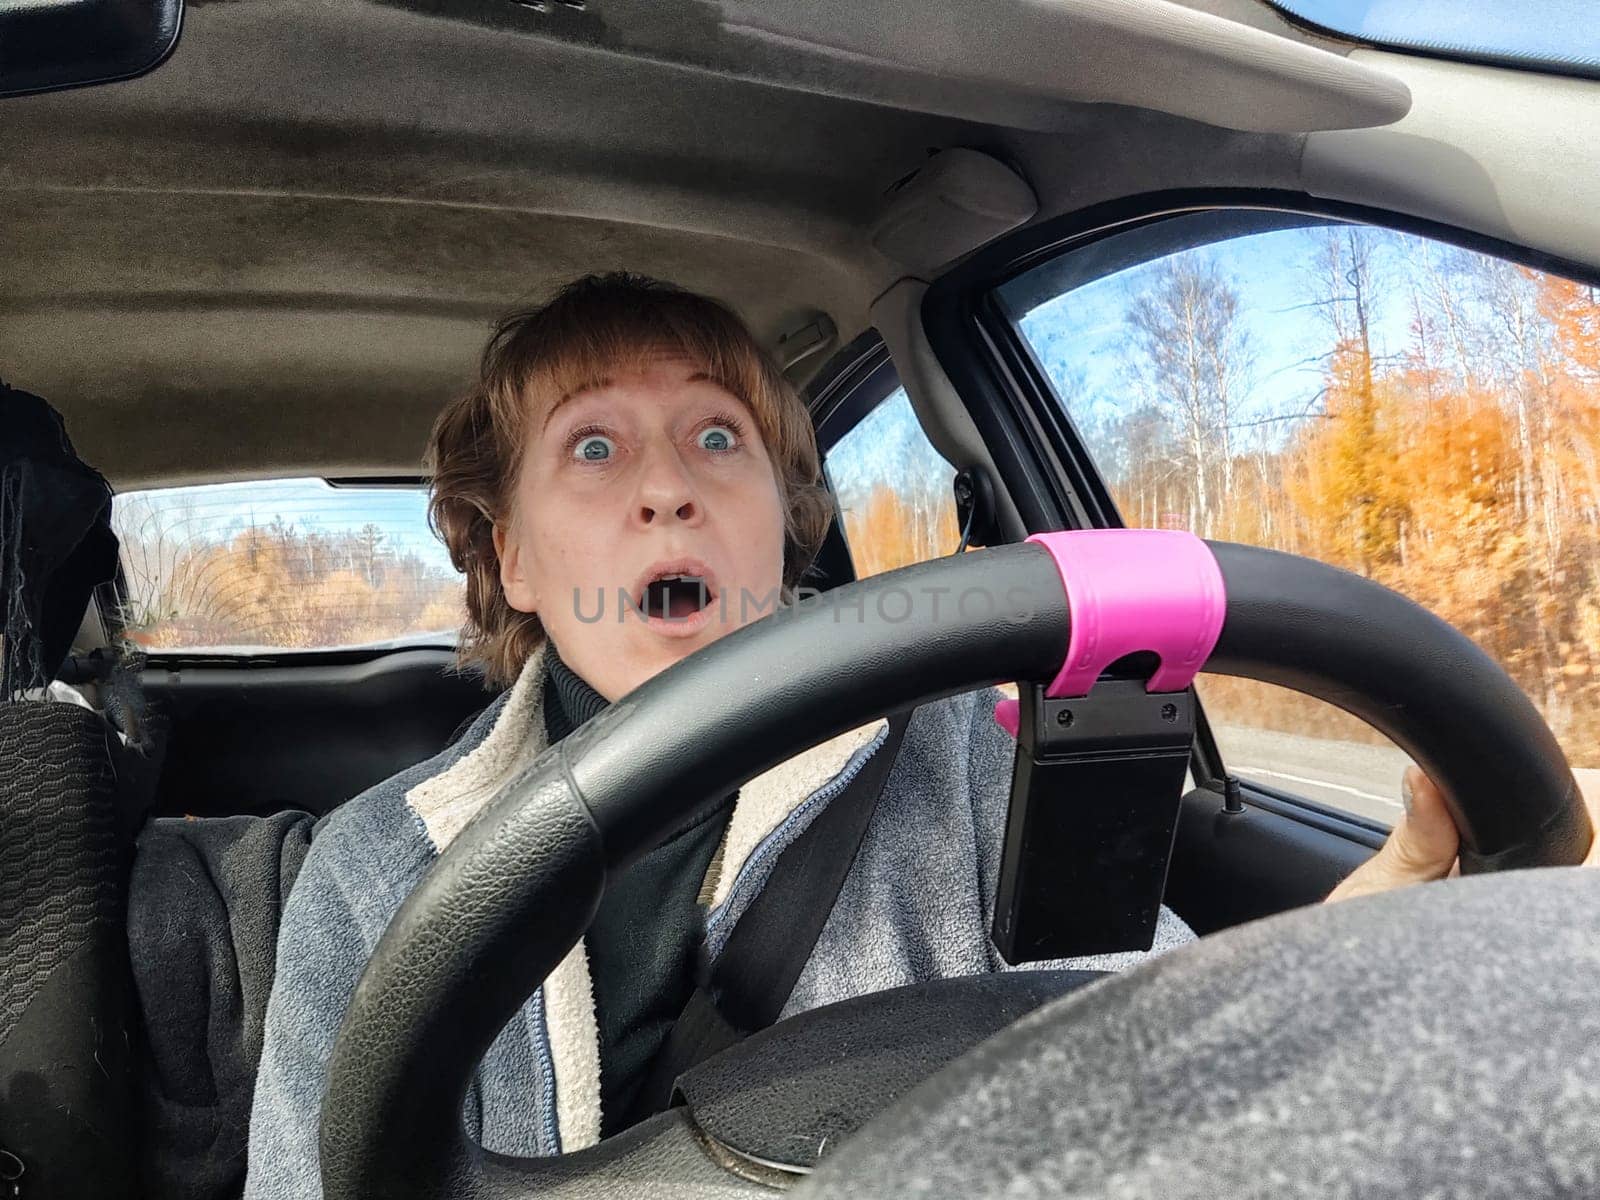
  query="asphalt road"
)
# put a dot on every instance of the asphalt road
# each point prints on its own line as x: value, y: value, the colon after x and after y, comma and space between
x: 1357, y: 778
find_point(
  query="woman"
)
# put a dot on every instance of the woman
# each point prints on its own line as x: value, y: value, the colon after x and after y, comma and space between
x: 629, y: 467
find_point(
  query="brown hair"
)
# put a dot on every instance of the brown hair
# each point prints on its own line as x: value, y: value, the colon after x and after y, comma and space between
x: 591, y: 328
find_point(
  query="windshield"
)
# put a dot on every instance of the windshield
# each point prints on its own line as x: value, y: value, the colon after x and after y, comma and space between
x: 270, y: 565
x: 1553, y: 34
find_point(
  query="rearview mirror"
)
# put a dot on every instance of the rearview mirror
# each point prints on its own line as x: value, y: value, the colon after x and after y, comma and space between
x: 51, y: 44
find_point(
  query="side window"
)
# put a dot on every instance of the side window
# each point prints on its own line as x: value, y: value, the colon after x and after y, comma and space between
x: 1424, y: 415
x: 894, y: 491
x: 261, y: 566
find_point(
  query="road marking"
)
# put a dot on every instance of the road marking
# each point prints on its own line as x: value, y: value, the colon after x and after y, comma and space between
x: 1322, y: 783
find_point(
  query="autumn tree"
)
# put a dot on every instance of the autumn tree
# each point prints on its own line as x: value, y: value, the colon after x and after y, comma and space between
x: 895, y: 527
x: 1137, y: 453
x: 1346, y: 477
x: 1191, y: 358
x: 1573, y: 312
x: 369, y: 541
x: 1345, y: 474
x: 275, y: 585
x: 1451, y: 449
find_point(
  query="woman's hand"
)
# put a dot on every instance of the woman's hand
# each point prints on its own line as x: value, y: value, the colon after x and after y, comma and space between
x: 1424, y: 842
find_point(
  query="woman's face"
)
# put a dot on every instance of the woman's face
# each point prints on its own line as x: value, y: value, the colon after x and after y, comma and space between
x: 646, y: 523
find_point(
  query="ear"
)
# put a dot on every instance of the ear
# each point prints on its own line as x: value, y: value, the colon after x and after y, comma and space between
x: 519, y: 589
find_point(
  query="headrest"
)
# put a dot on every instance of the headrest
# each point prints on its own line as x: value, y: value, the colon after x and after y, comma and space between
x: 56, y: 543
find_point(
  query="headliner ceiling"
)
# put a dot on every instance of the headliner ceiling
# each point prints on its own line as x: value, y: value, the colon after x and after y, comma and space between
x: 280, y: 251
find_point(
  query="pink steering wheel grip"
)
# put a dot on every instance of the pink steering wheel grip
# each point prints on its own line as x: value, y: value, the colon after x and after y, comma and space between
x: 1132, y: 590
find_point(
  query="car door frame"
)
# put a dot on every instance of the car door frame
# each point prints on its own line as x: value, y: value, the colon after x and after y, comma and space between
x: 848, y: 388
x: 1014, y: 403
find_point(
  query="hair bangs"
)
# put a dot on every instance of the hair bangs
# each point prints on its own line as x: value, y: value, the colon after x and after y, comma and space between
x: 588, y: 345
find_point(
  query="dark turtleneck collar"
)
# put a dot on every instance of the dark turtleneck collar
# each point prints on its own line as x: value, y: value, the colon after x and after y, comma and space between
x: 644, y: 940
x: 569, y: 702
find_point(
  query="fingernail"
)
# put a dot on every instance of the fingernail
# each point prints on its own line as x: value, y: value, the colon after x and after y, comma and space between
x: 1405, y: 790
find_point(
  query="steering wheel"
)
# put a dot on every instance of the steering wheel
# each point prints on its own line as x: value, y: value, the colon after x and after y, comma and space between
x: 517, y: 888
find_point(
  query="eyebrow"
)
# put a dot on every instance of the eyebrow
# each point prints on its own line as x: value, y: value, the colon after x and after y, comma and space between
x: 606, y: 381
x: 575, y: 392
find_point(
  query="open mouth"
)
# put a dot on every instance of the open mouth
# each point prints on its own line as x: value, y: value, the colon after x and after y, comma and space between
x: 675, y: 597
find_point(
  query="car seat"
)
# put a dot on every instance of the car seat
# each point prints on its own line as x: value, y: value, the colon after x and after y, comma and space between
x: 68, y: 1031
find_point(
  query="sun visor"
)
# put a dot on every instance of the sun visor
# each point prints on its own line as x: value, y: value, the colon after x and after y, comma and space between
x: 1147, y: 53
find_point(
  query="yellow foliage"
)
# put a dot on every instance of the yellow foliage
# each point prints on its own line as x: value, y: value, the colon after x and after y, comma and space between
x: 1477, y: 497
x: 891, y: 530
x: 266, y: 588
x: 1344, y: 473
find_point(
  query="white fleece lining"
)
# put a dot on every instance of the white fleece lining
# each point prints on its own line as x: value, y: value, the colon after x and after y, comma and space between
x: 574, y: 1031
x: 446, y: 802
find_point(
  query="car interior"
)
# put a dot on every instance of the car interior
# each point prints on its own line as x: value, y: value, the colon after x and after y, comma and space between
x: 251, y: 241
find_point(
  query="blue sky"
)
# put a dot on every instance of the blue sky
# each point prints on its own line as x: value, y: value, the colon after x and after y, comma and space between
x: 216, y: 511
x: 1083, y: 340
x: 888, y: 446
x: 1560, y: 31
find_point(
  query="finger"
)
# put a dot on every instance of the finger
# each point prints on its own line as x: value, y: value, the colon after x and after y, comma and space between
x: 1425, y: 842
x: 1421, y: 847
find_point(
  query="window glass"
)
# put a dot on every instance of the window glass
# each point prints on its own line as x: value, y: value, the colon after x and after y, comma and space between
x: 895, y: 493
x: 293, y: 564
x: 1423, y: 415
x: 1551, y: 33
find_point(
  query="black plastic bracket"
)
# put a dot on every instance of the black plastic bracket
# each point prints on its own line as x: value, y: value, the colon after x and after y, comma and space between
x: 1095, y: 795
x: 976, y: 510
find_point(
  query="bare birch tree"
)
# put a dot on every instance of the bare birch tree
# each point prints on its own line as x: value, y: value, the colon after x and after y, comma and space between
x: 1190, y: 358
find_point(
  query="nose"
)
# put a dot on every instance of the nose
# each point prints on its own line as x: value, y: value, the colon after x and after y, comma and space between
x: 666, y: 490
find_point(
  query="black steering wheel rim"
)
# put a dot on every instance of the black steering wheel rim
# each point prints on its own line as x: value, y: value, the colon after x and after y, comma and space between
x: 516, y: 890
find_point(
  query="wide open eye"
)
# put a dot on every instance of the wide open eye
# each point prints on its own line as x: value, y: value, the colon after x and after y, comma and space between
x: 717, y: 437
x: 594, y: 448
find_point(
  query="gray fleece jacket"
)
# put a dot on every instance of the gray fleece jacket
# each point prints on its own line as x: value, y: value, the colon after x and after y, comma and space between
x: 916, y: 905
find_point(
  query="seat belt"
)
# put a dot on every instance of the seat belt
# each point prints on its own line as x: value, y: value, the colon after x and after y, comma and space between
x: 754, y: 976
